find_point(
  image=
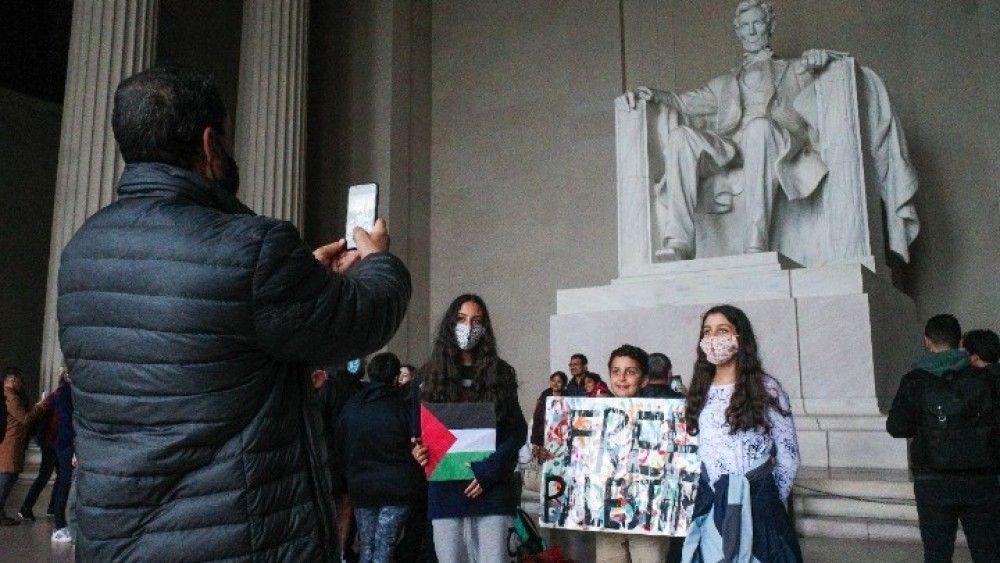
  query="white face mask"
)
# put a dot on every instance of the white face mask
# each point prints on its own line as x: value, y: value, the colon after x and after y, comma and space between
x: 719, y: 349
x: 467, y: 336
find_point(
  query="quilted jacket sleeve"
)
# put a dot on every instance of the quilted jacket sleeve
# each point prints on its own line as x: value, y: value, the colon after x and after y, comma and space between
x: 305, y: 313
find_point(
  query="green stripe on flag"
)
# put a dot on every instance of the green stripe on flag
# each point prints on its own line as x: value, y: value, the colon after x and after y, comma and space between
x: 454, y: 466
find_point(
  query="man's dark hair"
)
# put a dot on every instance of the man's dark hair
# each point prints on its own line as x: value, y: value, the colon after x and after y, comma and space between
x: 383, y: 368
x: 659, y: 366
x: 579, y: 356
x: 983, y: 343
x: 160, y: 114
x: 943, y: 330
x: 12, y: 370
x: 634, y: 352
x: 562, y: 377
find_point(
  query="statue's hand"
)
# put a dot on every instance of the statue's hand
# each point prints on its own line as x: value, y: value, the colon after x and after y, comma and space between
x: 640, y: 93
x: 815, y: 59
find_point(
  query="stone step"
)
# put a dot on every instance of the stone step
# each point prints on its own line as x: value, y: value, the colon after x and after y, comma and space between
x: 868, y: 529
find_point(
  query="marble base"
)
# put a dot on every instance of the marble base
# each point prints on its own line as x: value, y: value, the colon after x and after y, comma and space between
x: 837, y: 337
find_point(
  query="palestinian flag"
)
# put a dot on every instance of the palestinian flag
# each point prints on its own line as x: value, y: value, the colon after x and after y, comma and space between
x: 456, y: 434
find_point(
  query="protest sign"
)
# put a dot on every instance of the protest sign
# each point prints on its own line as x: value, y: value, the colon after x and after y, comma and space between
x: 618, y: 465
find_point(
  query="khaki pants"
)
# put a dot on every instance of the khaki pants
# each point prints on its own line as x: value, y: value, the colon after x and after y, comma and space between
x: 644, y: 549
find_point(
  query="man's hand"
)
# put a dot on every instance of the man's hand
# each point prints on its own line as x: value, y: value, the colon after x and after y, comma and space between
x: 540, y: 454
x: 375, y: 241
x: 419, y: 452
x: 474, y: 489
x: 335, y: 256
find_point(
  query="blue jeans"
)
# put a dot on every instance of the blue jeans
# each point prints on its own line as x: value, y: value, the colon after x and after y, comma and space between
x: 378, y: 530
x: 60, y: 491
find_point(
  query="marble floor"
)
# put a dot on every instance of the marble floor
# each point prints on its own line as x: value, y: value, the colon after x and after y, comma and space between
x: 30, y: 543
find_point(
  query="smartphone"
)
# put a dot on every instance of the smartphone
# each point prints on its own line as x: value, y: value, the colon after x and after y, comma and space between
x: 362, y: 206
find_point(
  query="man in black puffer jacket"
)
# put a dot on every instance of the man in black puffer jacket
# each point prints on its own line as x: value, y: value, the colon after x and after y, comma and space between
x: 188, y: 323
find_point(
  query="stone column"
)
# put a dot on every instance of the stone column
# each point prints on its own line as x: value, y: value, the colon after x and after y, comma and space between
x: 270, y: 114
x: 109, y: 40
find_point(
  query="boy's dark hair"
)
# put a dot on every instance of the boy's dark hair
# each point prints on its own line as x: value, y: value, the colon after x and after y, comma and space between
x: 159, y: 115
x: 983, y: 343
x: 383, y: 368
x: 561, y: 375
x: 12, y: 370
x: 593, y: 377
x: 634, y: 352
x: 943, y: 330
x: 659, y: 365
x: 579, y: 356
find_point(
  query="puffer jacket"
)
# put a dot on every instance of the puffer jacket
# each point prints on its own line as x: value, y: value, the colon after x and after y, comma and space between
x: 187, y: 323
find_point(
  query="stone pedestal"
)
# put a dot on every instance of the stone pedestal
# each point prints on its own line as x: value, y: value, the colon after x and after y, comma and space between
x: 109, y: 40
x: 838, y: 338
x: 270, y: 116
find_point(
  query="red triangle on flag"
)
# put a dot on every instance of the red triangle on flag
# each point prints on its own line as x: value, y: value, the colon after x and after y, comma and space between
x: 436, y: 437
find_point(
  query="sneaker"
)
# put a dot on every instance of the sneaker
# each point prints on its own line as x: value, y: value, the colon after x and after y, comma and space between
x: 62, y: 535
x: 26, y: 514
x: 8, y: 521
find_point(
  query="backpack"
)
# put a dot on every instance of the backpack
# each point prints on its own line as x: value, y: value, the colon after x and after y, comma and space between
x: 960, y: 421
x: 524, y: 538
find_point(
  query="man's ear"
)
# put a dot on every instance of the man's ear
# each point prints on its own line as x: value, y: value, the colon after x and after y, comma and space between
x: 209, y: 151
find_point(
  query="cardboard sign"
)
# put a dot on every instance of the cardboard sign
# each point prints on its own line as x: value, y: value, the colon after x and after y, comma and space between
x: 619, y: 465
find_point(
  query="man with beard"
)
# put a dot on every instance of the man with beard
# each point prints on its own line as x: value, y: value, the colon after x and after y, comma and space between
x: 188, y: 322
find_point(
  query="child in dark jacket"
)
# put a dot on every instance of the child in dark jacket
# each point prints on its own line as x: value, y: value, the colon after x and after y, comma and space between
x: 373, y: 442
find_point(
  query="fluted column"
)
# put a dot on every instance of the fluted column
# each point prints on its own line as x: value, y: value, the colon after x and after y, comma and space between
x: 109, y: 40
x: 270, y: 115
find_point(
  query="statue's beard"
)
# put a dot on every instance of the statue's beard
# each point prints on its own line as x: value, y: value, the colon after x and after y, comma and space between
x: 756, y: 45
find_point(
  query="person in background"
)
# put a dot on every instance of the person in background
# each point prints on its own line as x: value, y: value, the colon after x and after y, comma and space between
x: 660, y: 374
x: 557, y: 387
x: 594, y: 386
x: 983, y: 347
x: 577, y: 369
x: 743, y: 421
x: 406, y: 373
x: 383, y: 480
x: 471, y: 520
x: 62, y: 405
x: 337, y: 385
x: 45, y: 431
x: 950, y: 411
x: 19, y: 421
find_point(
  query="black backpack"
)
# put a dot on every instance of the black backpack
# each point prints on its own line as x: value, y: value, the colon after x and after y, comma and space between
x: 960, y: 421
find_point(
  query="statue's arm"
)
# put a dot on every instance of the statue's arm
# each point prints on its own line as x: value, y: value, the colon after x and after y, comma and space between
x: 702, y: 101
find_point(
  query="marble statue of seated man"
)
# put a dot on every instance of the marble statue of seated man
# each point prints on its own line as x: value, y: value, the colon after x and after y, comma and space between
x: 743, y: 119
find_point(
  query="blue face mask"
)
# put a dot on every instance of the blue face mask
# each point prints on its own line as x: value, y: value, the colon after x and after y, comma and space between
x: 354, y: 366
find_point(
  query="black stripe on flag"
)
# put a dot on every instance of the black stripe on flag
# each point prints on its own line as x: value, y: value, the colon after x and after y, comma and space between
x: 457, y: 416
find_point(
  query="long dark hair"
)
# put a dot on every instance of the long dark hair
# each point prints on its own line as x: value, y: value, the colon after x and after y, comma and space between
x: 751, y: 400
x: 493, y: 379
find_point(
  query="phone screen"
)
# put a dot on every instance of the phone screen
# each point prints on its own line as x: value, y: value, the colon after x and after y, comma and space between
x: 362, y: 205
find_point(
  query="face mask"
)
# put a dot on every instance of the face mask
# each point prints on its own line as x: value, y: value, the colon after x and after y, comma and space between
x: 719, y: 349
x: 354, y: 366
x: 467, y: 336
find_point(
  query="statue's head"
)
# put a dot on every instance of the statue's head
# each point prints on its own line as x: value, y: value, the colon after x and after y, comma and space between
x: 754, y: 24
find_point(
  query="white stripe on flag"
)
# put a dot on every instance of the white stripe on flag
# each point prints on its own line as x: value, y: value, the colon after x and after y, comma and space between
x: 474, y: 440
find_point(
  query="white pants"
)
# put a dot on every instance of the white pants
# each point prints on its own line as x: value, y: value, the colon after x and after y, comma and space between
x: 474, y: 539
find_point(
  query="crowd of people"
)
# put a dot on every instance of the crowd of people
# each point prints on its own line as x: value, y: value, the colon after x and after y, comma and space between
x: 189, y: 325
